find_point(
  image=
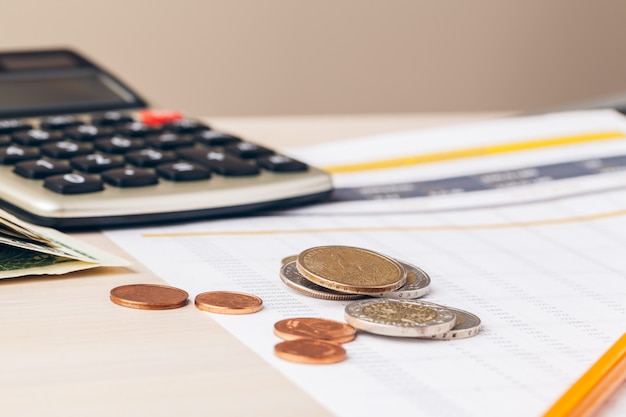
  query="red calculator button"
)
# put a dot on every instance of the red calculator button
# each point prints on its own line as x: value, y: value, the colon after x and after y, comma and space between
x: 159, y: 117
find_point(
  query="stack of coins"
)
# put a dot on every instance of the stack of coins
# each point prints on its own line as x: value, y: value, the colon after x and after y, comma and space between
x: 411, y: 318
x: 350, y: 273
x: 312, y: 340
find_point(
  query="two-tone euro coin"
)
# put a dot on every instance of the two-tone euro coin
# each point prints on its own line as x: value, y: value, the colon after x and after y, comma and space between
x: 292, y: 278
x: 400, y: 318
x: 467, y: 325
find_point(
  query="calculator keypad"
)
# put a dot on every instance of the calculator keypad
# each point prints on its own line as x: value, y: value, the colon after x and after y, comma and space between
x: 76, y: 155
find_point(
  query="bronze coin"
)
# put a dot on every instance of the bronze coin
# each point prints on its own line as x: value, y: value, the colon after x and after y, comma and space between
x: 228, y: 302
x: 312, y: 351
x: 149, y: 296
x: 314, y: 328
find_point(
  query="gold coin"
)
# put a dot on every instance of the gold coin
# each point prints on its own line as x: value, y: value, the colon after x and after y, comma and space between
x: 311, y: 351
x: 417, y: 284
x: 314, y: 328
x: 149, y: 296
x: 352, y: 270
x: 228, y: 302
x: 290, y: 275
x: 288, y: 259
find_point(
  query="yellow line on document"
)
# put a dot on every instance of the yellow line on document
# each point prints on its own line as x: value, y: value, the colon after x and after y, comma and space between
x: 546, y: 222
x: 472, y: 152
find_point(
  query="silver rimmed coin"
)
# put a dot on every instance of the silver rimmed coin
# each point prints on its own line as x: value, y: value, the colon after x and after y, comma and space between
x: 467, y: 325
x: 292, y: 278
x: 351, y: 270
x: 400, y: 318
x: 417, y: 284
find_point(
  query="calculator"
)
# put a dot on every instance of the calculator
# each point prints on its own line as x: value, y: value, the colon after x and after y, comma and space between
x: 80, y: 149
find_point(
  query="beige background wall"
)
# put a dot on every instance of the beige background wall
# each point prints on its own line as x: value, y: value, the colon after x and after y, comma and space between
x: 236, y: 57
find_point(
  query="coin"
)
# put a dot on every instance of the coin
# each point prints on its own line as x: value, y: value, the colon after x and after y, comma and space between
x: 467, y: 325
x: 228, y: 302
x: 312, y: 351
x: 417, y: 284
x: 149, y: 296
x: 401, y: 318
x: 288, y: 259
x: 289, y: 275
x: 309, y: 327
x: 352, y: 270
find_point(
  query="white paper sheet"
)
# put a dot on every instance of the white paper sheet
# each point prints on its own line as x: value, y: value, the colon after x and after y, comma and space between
x: 543, y: 265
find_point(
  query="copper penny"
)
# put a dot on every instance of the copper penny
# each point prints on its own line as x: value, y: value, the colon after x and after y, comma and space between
x: 313, y: 351
x: 228, y: 302
x: 314, y: 328
x: 149, y: 296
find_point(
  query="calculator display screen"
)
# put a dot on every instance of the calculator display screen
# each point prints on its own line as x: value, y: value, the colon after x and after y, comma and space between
x: 39, y: 61
x: 66, y: 93
x: 45, y: 82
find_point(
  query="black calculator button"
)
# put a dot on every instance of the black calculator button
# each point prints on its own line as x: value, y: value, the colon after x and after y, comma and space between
x: 111, y: 118
x: 66, y: 149
x: 41, y: 168
x: 35, y: 137
x: 73, y: 184
x: 137, y: 129
x: 12, y: 154
x: 130, y: 177
x: 150, y: 157
x: 5, y: 140
x: 169, y: 140
x: 281, y: 163
x: 88, y: 132
x: 219, y: 162
x: 185, y: 126
x: 183, y: 171
x: 96, y: 162
x: 215, y: 138
x: 119, y: 144
x: 247, y: 150
x: 13, y: 125
x: 59, y: 122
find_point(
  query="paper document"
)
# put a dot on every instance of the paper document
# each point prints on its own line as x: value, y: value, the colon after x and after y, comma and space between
x: 519, y: 221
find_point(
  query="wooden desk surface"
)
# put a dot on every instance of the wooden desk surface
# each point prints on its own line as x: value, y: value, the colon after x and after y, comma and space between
x: 66, y: 350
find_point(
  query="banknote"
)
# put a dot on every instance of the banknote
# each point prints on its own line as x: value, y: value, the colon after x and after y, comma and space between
x: 27, y: 249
